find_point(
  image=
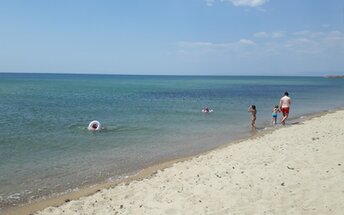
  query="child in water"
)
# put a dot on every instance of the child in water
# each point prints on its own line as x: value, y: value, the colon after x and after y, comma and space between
x: 206, y: 110
x: 253, y: 111
x: 274, y: 114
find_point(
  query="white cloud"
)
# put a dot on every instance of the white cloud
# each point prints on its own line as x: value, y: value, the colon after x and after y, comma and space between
x: 195, y: 44
x: 261, y: 34
x: 302, y: 43
x: 301, y: 33
x: 215, y: 46
x: 312, y: 34
x: 304, y: 46
x: 277, y: 34
x: 316, y: 42
x: 333, y: 40
x: 297, y: 42
x: 319, y: 35
x: 210, y: 2
x: 246, y: 42
x: 250, y: 3
x: 311, y: 50
x: 203, y: 45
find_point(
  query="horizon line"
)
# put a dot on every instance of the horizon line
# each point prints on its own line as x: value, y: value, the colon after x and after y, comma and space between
x: 194, y: 75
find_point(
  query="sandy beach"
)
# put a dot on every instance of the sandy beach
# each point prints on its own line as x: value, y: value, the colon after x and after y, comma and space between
x: 297, y: 169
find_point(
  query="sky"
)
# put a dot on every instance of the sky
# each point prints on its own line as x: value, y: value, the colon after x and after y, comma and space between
x: 173, y: 37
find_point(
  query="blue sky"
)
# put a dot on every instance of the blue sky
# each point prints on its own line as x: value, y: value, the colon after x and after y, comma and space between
x: 195, y: 37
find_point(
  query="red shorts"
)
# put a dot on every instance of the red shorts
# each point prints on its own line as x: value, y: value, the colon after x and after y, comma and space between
x: 285, y: 110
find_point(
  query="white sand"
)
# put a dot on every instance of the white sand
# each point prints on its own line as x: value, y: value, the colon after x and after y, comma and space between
x: 298, y: 169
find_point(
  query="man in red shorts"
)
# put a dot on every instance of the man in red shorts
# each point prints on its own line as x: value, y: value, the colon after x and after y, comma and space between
x: 285, y: 105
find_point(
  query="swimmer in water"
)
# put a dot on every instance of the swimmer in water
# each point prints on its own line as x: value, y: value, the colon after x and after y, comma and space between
x: 253, y: 111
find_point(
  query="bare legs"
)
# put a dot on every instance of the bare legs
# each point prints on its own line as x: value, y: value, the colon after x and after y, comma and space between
x: 285, y: 116
x: 253, y: 123
x: 274, y: 121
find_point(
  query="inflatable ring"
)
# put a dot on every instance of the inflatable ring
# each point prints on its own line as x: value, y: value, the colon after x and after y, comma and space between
x: 94, y: 126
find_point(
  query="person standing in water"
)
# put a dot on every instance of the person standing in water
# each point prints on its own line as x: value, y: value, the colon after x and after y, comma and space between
x: 285, y: 106
x: 253, y: 111
x: 274, y: 114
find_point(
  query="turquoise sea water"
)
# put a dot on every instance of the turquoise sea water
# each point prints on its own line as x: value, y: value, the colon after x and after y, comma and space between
x: 46, y: 149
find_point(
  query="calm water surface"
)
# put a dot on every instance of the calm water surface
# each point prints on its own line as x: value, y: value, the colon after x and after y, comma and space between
x: 46, y: 149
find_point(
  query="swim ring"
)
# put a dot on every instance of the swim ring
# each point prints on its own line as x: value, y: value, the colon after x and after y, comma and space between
x: 94, y: 126
x: 209, y: 111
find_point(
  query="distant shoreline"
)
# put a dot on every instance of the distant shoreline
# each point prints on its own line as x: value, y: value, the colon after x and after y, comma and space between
x: 335, y: 76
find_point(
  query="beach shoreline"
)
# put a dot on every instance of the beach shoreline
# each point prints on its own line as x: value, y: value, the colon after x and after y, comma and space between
x: 144, y: 174
x: 51, y: 153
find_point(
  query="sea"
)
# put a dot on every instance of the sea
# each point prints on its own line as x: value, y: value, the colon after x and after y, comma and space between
x: 46, y: 149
